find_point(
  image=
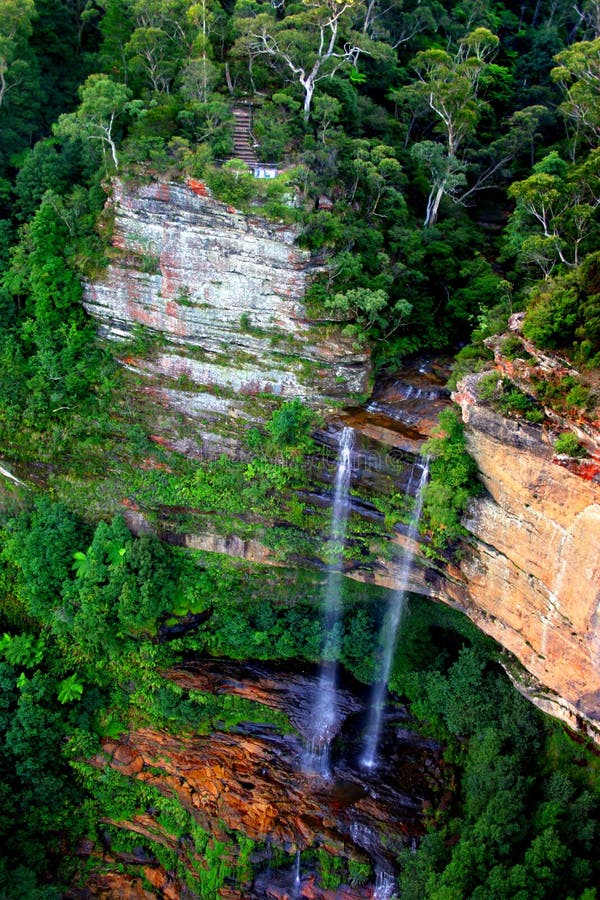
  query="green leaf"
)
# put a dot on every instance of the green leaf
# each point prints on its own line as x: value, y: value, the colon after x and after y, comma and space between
x: 69, y: 689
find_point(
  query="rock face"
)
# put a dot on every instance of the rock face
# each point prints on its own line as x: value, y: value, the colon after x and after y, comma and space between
x: 255, y: 780
x: 222, y: 294
x: 530, y: 575
x: 532, y: 580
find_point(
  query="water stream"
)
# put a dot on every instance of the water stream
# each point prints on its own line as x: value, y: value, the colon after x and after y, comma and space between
x: 385, y: 885
x: 297, y: 879
x: 392, y: 624
x: 325, y: 717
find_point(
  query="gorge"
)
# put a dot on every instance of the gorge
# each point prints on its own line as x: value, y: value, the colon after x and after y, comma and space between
x: 299, y: 450
x: 527, y: 574
x: 212, y: 303
x: 530, y: 576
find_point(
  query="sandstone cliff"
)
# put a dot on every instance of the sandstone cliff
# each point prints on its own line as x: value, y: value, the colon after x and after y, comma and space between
x: 532, y: 576
x: 219, y: 296
x: 529, y: 575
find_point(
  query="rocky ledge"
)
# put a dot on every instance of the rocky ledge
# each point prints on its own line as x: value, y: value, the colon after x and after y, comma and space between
x: 256, y: 781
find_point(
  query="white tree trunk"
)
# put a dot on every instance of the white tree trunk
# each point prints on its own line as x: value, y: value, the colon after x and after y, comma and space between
x: 309, y: 89
x: 433, y: 204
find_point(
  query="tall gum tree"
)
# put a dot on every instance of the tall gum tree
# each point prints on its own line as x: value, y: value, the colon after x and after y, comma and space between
x: 312, y: 41
x: 200, y: 74
x: 448, y: 85
x: 555, y: 216
x: 162, y: 38
x: 103, y: 103
x: 578, y: 73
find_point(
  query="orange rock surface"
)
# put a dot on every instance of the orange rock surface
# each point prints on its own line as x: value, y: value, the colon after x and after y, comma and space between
x: 533, y: 575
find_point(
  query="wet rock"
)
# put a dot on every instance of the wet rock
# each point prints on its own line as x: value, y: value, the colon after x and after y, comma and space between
x: 256, y: 781
x: 126, y: 760
x: 288, y: 687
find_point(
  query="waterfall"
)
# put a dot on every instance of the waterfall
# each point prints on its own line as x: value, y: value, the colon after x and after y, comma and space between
x: 325, y: 715
x: 392, y: 625
x: 385, y: 885
x: 297, y: 879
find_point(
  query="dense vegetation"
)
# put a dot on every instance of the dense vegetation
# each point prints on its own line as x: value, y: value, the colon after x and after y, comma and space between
x: 86, y: 635
x: 444, y: 158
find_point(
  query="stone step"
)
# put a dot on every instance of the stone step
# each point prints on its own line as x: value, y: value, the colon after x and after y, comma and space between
x: 243, y: 142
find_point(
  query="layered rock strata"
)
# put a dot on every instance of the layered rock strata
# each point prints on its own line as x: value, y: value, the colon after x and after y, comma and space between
x: 224, y: 293
x: 219, y: 297
x: 254, y: 780
x: 529, y: 575
x: 532, y: 576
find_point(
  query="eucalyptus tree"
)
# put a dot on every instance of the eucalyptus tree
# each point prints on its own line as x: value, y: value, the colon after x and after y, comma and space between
x: 448, y: 85
x: 397, y: 23
x: 200, y: 74
x: 556, y: 212
x: 104, y: 103
x: 161, y: 39
x: 309, y: 42
x: 578, y: 73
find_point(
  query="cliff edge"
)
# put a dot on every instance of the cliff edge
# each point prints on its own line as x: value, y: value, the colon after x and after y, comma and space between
x: 533, y: 574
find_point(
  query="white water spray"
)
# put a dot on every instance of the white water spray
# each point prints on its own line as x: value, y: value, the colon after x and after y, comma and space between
x: 326, y: 714
x: 297, y: 879
x: 385, y: 885
x: 392, y: 626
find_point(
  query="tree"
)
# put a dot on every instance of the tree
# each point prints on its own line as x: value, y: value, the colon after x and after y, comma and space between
x: 370, y: 308
x: 448, y: 84
x: 524, y: 129
x: 104, y: 104
x: 311, y: 44
x: 446, y: 174
x: 555, y: 211
x: 291, y: 427
x: 40, y: 544
x: 161, y: 39
x: 15, y: 28
x: 116, y: 27
x: 578, y: 73
x: 397, y: 24
x: 376, y: 180
x: 150, y: 52
x: 200, y: 74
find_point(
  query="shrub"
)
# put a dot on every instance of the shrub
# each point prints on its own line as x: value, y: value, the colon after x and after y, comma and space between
x: 453, y: 481
x: 487, y: 385
x: 471, y: 358
x: 567, y: 444
x: 553, y: 314
x: 290, y: 427
x: 513, y: 347
x: 508, y: 399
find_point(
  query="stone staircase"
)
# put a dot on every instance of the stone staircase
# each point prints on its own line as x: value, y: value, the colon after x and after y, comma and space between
x: 243, y: 142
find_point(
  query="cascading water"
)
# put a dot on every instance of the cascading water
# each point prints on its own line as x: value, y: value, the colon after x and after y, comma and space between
x: 385, y: 885
x: 297, y: 879
x: 392, y: 625
x: 326, y: 715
